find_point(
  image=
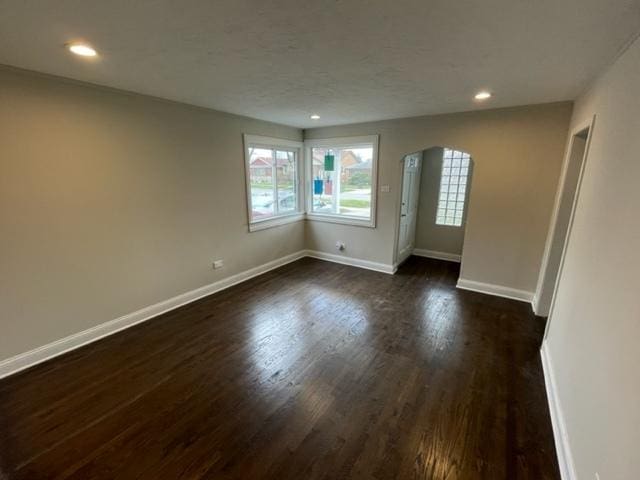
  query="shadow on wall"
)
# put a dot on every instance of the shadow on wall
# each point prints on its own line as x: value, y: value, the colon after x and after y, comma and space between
x: 441, y: 195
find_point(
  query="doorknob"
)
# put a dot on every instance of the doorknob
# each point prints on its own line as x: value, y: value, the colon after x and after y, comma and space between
x: 403, y: 215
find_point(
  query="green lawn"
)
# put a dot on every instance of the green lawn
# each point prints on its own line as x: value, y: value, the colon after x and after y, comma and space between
x: 355, y: 203
x: 285, y: 186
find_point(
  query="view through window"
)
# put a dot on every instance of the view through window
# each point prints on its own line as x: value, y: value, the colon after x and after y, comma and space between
x: 342, y: 180
x: 453, y: 188
x: 273, y: 181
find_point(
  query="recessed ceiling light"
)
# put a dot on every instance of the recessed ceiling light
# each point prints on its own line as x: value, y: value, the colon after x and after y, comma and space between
x: 315, y: 116
x: 82, y: 50
x: 483, y: 95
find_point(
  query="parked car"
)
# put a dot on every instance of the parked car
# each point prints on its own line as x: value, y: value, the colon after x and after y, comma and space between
x: 264, y: 210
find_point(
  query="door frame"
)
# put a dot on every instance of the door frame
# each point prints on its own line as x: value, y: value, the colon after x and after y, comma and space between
x: 589, y: 126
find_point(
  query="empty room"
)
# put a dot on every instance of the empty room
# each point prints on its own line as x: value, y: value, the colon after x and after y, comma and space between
x: 341, y: 239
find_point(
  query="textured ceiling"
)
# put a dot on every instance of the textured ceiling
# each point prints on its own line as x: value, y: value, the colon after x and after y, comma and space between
x: 348, y: 60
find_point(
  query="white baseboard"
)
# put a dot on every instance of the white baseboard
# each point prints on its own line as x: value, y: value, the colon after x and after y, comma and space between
x: 450, y: 257
x: 355, y: 262
x: 534, y: 303
x: 497, y: 290
x: 28, y: 359
x: 560, y: 434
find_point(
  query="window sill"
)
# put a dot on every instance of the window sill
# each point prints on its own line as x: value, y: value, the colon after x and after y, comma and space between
x: 343, y: 220
x: 275, y: 222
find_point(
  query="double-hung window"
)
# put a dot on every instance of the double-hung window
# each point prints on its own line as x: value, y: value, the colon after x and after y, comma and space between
x: 273, y: 171
x: 341, y: 179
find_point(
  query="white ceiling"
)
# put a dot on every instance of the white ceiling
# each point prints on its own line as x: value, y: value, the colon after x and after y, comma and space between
x: 347, y: 60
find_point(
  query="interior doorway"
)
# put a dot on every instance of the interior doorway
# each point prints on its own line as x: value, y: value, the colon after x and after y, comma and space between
x: 433, y: 204
x: 562, y: 220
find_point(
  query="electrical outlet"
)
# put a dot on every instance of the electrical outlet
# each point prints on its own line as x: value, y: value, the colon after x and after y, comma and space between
x: 218, y: 264
x: 340, y: 246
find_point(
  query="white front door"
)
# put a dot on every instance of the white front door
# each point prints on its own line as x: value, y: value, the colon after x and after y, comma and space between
x: 409, y: 206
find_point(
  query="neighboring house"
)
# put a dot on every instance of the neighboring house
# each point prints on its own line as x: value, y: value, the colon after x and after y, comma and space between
x: 347, y: 160
x: 361, y: 167
x: 262, y: 169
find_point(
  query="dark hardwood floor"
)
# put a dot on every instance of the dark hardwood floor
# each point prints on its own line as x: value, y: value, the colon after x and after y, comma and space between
x: 311, y: 371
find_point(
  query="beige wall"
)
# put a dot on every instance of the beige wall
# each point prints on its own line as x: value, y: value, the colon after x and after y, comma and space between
x: 111, y: 202
x: 429, y: 236
x: 517, y: 154
x: 595, y: 324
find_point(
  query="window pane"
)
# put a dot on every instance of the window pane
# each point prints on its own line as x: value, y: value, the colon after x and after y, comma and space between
x: 453, y: 183
x: 342, y: 181
x: 323, y: 182
x: 286, y: 181
x: 261, y: 182
x: 356, y: 173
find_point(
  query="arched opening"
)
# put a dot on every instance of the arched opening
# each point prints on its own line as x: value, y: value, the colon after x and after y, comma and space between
x: 434, y: 204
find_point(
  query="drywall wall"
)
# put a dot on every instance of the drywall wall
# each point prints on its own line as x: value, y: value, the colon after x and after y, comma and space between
x: 429, y: 236
x: 594, y: 327
x: 110, y: 202
x: 517, y: 155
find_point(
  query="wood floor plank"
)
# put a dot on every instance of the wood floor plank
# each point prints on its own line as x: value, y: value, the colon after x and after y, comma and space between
x: 311, y: 371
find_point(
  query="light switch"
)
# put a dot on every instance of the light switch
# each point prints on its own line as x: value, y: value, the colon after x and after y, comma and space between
x: 384, y: 188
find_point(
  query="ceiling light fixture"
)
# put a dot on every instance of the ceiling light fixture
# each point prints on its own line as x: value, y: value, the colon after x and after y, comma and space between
x: 483, y: 95
x: 315, y: 116
x: 82, y: 50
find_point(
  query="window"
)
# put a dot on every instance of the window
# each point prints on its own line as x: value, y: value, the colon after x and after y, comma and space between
x: 453, y: 187
x: 341, y: 179
x: 273, y: 181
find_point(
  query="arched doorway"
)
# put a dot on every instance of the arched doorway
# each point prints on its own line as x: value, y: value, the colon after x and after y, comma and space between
x: 435, y: 191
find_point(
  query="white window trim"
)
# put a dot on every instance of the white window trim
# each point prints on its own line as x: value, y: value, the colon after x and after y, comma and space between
x: 365, y: 140
x: 270, y: 142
